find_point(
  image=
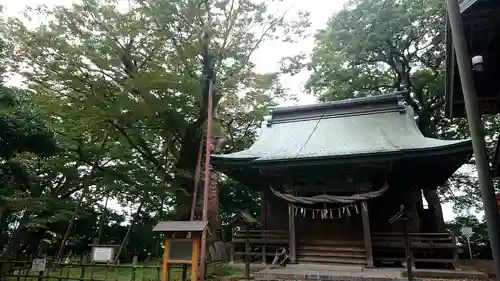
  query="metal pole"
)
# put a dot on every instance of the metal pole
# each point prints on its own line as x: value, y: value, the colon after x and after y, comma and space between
x: 476, y: 130
x: 208, y: 135
x: 468, y: 245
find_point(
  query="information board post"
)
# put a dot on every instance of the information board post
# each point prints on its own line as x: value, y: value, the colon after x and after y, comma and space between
x: 38, y: 265
x: 181, y: 245
x: 468, y: 232
x: 103, y: 253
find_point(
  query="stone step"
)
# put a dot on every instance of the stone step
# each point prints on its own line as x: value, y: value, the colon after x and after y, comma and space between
x: 331, y: 254
x: 330, y: 260
x: 309, y: 248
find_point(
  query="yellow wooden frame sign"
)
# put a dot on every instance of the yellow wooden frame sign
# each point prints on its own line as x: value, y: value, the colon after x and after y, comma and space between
x: 193, y: 262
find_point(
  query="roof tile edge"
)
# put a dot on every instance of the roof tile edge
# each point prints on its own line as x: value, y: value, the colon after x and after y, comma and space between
x: 357, y: 106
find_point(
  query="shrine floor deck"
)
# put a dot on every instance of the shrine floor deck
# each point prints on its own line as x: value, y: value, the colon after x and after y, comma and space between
x: 358, y: 273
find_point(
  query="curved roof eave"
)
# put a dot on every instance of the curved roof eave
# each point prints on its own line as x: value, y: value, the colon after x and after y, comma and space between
x: 344, y: 131
x: 462, y: 147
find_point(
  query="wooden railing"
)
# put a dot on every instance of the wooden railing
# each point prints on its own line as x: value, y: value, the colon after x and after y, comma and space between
x: 83, y: 271
x: 259, y: 245
x: 426, y: 247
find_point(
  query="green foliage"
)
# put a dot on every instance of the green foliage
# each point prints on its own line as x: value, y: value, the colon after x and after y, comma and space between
x: 237, y: 197
x: 479, y: 240
x: 120, y: 91
x: 21, y: 127
x: 376, y: 47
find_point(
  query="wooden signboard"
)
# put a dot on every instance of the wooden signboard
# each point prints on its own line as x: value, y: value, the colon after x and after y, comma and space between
x: 38, y: 265
x: 180, y: 249
x: 177, y: 248
x: 102, y: 254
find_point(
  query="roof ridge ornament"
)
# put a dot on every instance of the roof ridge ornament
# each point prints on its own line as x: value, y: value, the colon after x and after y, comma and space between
x: 402, y: 104
x: 266, y: 122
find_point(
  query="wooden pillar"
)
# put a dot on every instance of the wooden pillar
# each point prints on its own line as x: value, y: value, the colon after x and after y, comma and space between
x: 456, y: 261
x: 291, y: 229
x: 214, y: 206
x: 247, y: 251
x: 263, y: 209
x: 195, y: 258
x: 164, y: 271
x: 231, y: 255
x: 408, y: 251
x: 367, y: 233
x: 263, y: 222
x: 411, y: 209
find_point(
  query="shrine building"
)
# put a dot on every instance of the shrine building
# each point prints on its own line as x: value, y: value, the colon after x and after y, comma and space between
x: 331, y: 175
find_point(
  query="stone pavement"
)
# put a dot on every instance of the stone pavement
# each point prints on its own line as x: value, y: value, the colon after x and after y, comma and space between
x: 343, y: 273
x: 349, y: 273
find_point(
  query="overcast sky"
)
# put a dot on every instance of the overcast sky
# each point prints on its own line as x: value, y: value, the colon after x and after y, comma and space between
x: 267, y: 56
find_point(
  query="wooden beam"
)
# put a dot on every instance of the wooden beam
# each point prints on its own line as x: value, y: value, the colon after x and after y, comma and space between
x: 291, y: 229
x: 367, y: 234
x: 480, y: 99
x: 247, y: 252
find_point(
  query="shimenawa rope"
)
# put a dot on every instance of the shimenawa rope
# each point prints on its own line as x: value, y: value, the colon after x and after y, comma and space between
x: 329, y: 198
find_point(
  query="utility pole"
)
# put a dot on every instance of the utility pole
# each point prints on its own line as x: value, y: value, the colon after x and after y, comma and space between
x: 476, y: 130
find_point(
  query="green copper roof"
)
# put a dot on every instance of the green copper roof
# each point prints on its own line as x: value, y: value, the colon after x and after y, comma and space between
x: 358, y: 127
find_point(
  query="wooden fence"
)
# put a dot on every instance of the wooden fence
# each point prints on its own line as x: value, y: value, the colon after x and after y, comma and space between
x: 261, y: 245
x: 22, y: 271
x: 426, y: 247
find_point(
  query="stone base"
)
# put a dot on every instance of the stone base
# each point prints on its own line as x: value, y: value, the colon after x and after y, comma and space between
x: 448, y: 274
x: 358, y: 273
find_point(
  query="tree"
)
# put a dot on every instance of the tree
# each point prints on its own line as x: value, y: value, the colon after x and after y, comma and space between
x: 130, y: 78
x: 25, y: 143
x: 479, y: 240
x: 234, y: 197
x: 376, y: 47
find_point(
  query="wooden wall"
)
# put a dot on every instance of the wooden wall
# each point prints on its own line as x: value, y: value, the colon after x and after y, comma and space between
x: 276, y: 213
x: 347, y: 228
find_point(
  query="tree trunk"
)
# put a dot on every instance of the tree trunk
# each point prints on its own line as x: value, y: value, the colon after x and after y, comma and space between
x: 86, y: 184
x: 4, y: 211
x: 19, y: 237
x: 432, y: 199
x: 101, y: 220
x: 4, y: 215
x: 158, y: 235
x: 32, y: 244
x: 188, y: 153
x: 129, y: 231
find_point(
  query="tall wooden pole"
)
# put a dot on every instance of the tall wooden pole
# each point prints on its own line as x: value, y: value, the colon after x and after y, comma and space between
x: 206, y: 183
x: 476, y: 130
x: 197, y: 175
x: 207, y: 81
